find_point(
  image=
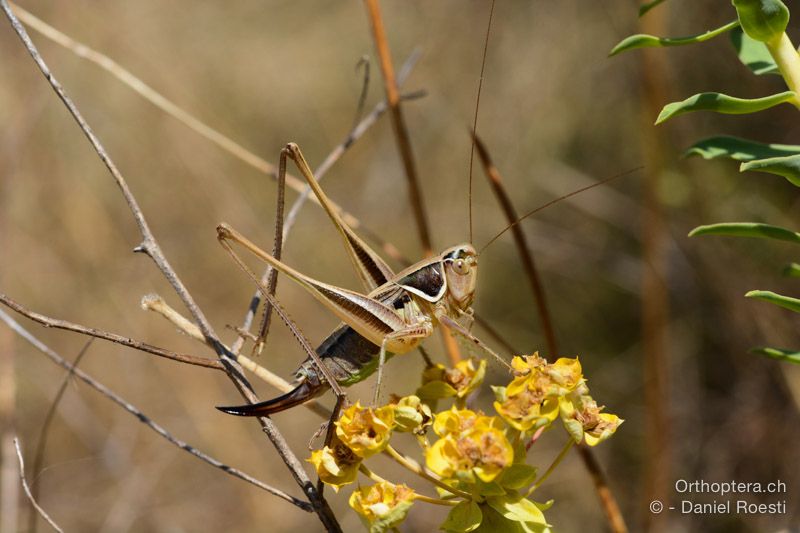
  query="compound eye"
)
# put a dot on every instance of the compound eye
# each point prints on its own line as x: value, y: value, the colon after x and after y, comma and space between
x: 461, y: 267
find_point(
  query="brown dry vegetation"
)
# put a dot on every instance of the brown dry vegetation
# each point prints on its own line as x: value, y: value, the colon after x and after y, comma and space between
x: 555, y: 114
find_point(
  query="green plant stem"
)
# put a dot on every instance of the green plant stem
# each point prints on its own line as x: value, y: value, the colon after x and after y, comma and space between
x: 415, y: 467
x: 560, y: 457
x: 788, y: 61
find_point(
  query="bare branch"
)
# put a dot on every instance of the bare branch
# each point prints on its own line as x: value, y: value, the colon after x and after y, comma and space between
x: 113, y: 337
x: 180, y: 114
x: 150, y: 246
x: 28, y: 490
x: 147, y: 421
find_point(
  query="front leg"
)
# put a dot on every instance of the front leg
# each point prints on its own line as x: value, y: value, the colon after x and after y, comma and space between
x: 409, y: 335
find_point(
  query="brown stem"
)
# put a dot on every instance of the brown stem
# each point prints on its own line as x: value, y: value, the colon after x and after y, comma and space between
x: 655, y: 295
x: 398, y: 123
x: 338, y: 151
x: 524, y: 250
x: 607, y: 501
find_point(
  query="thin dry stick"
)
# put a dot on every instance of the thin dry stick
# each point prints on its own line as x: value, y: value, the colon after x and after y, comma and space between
x: 28, y: 490
x: 525, y: 255
x: 404, y: 145
x: 108, y: 393
x: 398, y: 123
x: 150, y: 246
x: 655, y: 293
x: 113, y: 337
x: 319, y: 173
x: 607, y: 500
x: 41, y: 443
x: 186, y: 118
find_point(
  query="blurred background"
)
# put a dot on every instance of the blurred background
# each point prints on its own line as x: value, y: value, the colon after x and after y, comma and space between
x: 556, y: 114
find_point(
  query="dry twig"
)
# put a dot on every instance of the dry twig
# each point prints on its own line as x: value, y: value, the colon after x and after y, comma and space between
x: 609, y: 504
x: 151, y: 248
x: 28, y: 490
x: 147, y: 421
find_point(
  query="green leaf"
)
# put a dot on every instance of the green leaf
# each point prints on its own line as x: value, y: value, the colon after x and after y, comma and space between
x: 494, y: 522
x: 790, y: 356
x: 642, y: 40
x: 786, y: 166
x: 763, y: 20
x: 464, y: 517
x: 753, y: 54
x: 792, y: 270
x: 491, y: 488
x: 644, y: 8
x: 747, y: 229
x: 793, y: 304
x: 739, y: 149
x: 518, y: 475
x: 722, y: 103
x: 519, y: 509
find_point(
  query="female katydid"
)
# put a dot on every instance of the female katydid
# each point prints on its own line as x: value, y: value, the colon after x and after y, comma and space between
x: 398, y: 312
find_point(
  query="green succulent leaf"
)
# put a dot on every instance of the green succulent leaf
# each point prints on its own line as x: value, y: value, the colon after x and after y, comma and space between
x: 739, y: 149
x: 753, y: 54
x: 790, y: 356
x: 786, y: 166
x: 793, y: 304
x: 792, y: 270
x: 642, y: 40
x: 519, y: 509
x: 463, y: 518
x: 722, y: 103
x: 747, y: 229
x: 644, y: 8
x: 763, y: 20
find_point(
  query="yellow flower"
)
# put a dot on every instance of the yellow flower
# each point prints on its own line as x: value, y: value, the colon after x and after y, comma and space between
x: 566, y: 373
x: 336, y: 465
x: 441, y: 382
x: 459, y: 421
x: 411, y: 415
x: 364, y: 430
x: 383, y: 505
x: 535, y: 374
x: 471, y: 445
x: 584, y: 421
x: 527, y: 409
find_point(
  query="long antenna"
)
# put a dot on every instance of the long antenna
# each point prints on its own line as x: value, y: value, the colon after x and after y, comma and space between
x: 560, y: 198
x: 475, y: 117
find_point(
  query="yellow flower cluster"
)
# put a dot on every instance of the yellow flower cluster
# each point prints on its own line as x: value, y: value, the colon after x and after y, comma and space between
x: 541, y: 391
x: 470, y: 444
x: 477, y: 462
